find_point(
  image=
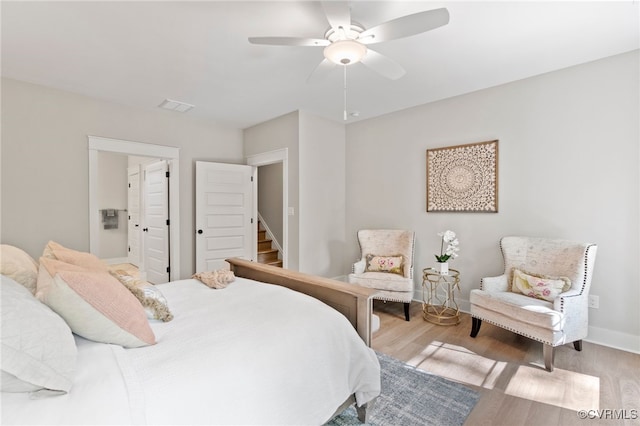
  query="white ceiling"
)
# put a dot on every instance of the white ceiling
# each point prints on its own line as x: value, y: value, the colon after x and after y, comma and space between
x: 139, y: 53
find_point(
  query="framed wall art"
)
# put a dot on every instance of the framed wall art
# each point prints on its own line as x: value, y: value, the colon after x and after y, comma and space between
x: 463, y: 178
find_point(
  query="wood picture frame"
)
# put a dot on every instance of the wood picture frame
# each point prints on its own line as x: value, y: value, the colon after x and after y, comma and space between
x: 463, y: 178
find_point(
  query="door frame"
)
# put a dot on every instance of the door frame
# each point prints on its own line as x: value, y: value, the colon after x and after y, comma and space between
x: 130, y: 172
x: 274, y: 157
x: 171, y: 154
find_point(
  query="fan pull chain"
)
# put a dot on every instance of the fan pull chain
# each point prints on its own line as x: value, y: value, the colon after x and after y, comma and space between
x: 345, y: 92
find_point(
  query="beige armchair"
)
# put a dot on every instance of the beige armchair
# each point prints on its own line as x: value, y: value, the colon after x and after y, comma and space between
x: 386, y: 264
x: 543, y: 293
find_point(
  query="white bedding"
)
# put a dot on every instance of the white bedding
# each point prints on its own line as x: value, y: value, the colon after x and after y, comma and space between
x: 251, y: 353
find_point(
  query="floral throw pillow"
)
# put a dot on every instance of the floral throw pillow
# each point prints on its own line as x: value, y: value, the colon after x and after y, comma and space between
x: 539, y: 286
x: 390, y: 264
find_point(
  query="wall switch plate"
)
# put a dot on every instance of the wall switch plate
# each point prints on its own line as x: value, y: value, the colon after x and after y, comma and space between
x: 594, y: 302
x: 291, y: 211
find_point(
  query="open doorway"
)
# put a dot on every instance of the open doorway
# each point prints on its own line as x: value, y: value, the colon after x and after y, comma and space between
x: 273, y: 166
x: 150, y: 155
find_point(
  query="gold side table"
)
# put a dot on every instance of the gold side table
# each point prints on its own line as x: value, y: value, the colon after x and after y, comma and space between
x: 438, y: 294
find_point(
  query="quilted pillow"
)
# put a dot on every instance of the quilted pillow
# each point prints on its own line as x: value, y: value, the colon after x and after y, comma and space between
x: 16, y: 264
x: 390, y: 264
x: 94, y: 304
x: 38, y: 349
x: 539, y: 286
x: 54, y: 250
x: 150, y: 297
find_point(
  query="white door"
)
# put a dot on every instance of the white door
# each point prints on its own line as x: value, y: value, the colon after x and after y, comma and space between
x: 156, y: 222
x: 225, y: 214
x: 134, y: 230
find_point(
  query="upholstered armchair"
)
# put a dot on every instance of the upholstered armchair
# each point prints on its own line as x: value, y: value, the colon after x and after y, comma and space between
x: 543, y: 293
x: 386, y: 264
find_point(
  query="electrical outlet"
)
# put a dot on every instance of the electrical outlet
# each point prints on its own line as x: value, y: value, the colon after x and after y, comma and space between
x: 594, y: 302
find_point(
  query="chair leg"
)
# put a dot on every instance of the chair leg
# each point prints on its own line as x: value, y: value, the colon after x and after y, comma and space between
x: 547, y: 352
x: 578, y: 345
x: 475, y: 326
x: 406, y: 311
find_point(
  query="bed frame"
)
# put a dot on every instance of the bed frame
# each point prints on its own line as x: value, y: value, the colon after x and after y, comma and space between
x: 353, y: 301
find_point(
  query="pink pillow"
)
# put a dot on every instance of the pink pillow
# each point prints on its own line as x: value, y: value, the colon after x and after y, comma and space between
x: 94, y: 304
x: 54, y: 250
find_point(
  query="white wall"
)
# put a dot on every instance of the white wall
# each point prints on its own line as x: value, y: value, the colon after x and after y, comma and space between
x: 316, y: 187
x: 112, y: 194
x: 322, y: 196
x: 281, y: 132
x: 45, y: 161
x: 568, y: 168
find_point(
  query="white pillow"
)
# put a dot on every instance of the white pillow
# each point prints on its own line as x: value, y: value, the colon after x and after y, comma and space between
x: 19, y: 266
x: 38, y: 349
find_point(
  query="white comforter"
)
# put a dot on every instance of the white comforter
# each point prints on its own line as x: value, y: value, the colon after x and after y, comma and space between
x: 251, y: 353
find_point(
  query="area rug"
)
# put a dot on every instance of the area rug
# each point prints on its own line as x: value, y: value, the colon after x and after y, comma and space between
x: 414, y: 397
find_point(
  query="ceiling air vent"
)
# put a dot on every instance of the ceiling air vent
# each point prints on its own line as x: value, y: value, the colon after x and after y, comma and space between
x: 175, y: 105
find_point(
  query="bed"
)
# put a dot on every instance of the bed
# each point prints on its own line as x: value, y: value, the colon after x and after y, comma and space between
x: 255, y: 352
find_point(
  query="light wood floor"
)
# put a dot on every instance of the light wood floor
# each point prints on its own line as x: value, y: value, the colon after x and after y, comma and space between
x: 508, y: 371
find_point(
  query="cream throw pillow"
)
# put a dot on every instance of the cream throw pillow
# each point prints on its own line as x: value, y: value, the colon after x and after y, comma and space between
x: 19, y: 266
x: 539, y: 286
x: 94, y: 304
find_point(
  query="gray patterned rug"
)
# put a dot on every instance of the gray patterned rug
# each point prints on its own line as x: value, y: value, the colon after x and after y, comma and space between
x: 413, y: 397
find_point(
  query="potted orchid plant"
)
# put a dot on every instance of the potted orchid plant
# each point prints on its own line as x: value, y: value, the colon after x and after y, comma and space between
x: 450, y: 252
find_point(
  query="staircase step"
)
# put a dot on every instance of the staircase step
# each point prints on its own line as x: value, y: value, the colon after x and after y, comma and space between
x: 266, y: 256
x: 277, y: 263
x: 264, y: 245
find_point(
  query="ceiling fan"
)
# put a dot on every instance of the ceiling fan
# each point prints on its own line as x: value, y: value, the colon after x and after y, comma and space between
x: 347, y: 42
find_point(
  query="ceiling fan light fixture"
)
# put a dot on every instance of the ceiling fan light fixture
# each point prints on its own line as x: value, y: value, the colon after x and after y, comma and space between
x: 345, y: 52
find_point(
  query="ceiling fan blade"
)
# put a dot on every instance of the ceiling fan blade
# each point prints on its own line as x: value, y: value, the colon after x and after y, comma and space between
x: 338, y: 14
x: 383, y: 65
x: 289, y: 41
x: 321, y: 71
x: 405, y: 26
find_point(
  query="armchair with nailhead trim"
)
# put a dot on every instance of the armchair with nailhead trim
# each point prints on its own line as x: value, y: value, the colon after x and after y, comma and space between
x: 542, y: 294
x: 394, y: 284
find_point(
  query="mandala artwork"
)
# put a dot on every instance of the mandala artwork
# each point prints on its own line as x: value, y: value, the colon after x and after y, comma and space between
x: 463, y: 178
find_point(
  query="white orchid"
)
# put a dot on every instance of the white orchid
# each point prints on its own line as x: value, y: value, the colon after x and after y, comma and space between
x: 451, y: 252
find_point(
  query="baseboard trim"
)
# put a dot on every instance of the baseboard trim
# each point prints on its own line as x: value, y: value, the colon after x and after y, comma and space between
x: 600, y: 336
x: 614, y: 339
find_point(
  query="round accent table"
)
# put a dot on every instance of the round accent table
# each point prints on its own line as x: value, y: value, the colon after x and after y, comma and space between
x: 439, y: 304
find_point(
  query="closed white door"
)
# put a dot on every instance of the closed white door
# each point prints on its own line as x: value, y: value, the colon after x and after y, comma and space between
x: 134, y: 230
x: 225, y: 214
x: 156, y: 222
